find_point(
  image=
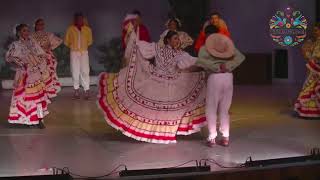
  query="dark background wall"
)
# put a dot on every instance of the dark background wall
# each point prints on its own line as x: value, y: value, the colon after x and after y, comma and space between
x: 247, y: 20
x: 105, y: 16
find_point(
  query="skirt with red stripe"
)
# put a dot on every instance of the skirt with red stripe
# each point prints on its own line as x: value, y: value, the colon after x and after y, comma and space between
x: 53, y: 84
x: 308, y: 102
x: 142, y: 122
x: 29, y: 104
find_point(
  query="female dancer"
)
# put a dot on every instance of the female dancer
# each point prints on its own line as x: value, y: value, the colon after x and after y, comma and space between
x: 48, y: 41
x: 174, y: 24
x: 308, y: 102
x: 133, y: 22
x: 154, y: 102
x: 29, y: 100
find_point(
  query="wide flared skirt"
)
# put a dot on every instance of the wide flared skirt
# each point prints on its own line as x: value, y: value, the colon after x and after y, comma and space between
x: 29, y: 105
x: 142, y: 122
x: 308, y: 102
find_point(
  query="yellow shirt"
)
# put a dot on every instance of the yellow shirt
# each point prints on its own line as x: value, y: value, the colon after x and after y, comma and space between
x: 78, y: 40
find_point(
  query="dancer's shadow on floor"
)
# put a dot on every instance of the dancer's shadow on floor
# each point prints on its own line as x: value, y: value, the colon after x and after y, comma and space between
x: 113, y: 136
x: 16, y: 126
x: 118, y: 136
x: 290, y: 112
x: 192, y: 137
x: 295, y: 115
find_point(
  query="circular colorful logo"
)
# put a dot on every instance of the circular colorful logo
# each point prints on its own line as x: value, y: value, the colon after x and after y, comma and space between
x: 288, y: 27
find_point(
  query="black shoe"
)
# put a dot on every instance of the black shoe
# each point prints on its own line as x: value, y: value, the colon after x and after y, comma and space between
x: 211, y: 142
x: 41, y: 125
x: 224, y: 141
x: 76, y: 94
x: 87, y: 95
x: 18, y: 126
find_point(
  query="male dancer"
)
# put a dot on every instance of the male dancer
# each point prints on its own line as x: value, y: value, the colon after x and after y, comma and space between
x: 78, y: 38
x: 215, y: 19
x: 219, y: 57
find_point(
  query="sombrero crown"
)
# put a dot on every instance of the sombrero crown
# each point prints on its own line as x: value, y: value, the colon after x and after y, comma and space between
x: 220, y: 46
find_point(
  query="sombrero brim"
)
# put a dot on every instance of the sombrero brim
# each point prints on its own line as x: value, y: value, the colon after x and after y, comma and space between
x: 211, y: 46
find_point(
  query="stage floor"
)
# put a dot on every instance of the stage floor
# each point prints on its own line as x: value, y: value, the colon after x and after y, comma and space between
x: 77, y: 137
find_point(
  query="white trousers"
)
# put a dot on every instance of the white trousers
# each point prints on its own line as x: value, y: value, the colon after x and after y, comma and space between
x: 218, y: 102
x: 80, y: 69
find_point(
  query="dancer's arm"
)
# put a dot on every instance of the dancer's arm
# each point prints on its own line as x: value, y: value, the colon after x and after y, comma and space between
x: 147, y: 49
x: 206, y: 61
x: 200, y: 41
x: 161, y: 40
x: 55, y: 41
x: 185, y: 61
x: 185, y: 40
x: 219, y: 65
x: 67, y: 38
x: 130, y: 43
x: 90, y: 39
x: 37, y: 49
x: 236, y: 60
x: 12, y: 56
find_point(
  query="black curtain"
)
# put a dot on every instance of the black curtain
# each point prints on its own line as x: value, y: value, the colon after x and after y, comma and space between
x: 317, y: 6
x: 192, y: 14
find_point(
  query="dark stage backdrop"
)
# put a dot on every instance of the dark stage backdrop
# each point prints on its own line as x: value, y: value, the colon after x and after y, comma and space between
x: 248, y: 21
x: 105, y: 17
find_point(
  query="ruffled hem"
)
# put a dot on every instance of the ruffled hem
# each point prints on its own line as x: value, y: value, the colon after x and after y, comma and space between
x: 194, y: 127
x: 31, y: 120
x: 24, y: 106
x: 22, y: 115
x: 306, y: 112
x: 308, y: 102
x: 142, y: 130
x: 113, y: 121
x: 53, y: 86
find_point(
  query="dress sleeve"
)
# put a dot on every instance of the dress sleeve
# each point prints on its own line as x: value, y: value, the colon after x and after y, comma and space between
x: 39, y: 51
x: 130, y: 43
x: 185, y: 39
x: 185, y: 61
x: 54, y: 40
x: 147, y: 49
x: 161, y: 40
x: 38, y: 54
x: 13, y: 55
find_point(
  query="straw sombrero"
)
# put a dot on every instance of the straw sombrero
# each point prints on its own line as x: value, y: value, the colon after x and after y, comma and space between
x: 220, y: 46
